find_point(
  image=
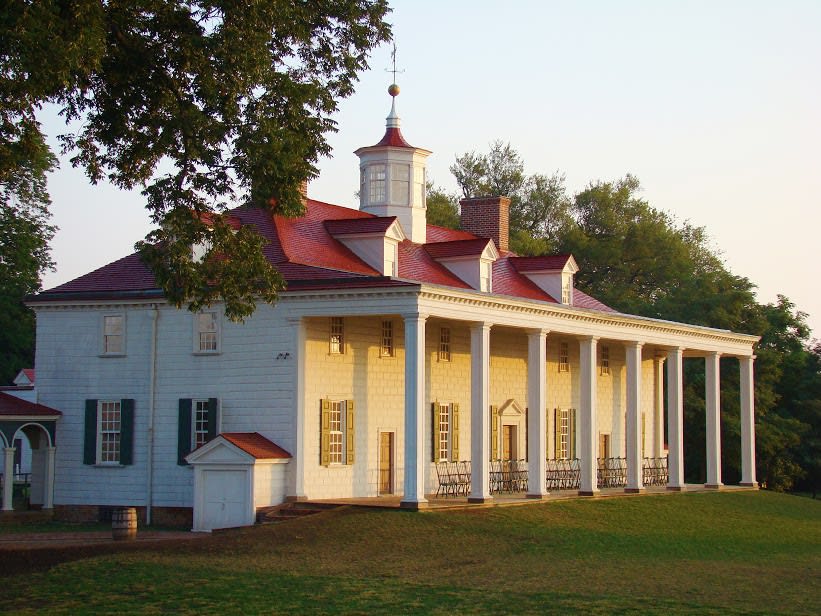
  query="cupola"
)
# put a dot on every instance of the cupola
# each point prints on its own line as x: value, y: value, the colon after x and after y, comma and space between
x: 392, y: 178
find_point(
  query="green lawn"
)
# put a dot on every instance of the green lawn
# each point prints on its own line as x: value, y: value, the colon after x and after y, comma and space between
x: 719, y: 553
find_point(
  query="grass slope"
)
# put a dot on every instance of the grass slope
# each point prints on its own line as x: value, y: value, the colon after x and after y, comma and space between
x: 725, y: 553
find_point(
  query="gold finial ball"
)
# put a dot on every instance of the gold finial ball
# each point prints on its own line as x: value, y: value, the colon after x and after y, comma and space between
x: 393, y: 89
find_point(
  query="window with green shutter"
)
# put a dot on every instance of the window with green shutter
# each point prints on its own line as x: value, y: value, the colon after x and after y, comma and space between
x: 109, y: 432
x: 196, y: 425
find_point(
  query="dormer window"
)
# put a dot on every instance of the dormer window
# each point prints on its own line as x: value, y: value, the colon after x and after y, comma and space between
x: 567, y: 289
x: 390, y: 268
x: 486, y: 280
x: 376, y: 184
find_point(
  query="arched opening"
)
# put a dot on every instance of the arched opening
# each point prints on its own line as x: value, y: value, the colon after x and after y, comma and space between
x: 32, y: 446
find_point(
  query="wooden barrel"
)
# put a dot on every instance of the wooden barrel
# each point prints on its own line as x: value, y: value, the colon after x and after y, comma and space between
x: 124, y: 524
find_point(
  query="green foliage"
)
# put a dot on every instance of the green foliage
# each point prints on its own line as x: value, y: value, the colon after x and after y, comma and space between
x: 25, y: 233
x: 203, y: 105
x: 443, y: 209
x: 539, y: 207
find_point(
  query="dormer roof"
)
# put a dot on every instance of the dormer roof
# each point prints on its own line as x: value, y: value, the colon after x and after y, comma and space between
x: 378, y: 225
x: 547, y: 263
x: 480, y: 247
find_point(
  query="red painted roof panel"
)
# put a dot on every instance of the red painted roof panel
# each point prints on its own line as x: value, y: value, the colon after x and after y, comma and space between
x: 457, y: 248
x: 256, y: 445
x: 12, y: 405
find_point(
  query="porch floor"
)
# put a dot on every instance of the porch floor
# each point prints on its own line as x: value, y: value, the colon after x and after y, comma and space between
x: 443, y: 503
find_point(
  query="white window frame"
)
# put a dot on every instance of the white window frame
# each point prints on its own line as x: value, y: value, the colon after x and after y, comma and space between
x: 564, y: 357
x: 113, y: 434
x: 564, y: 434
x: 486, y: 277
x: 336, y: 438
x: 400, y: 186
x: 445, y: 425
x: 387, y: 348
x: 444, y: 353
x: 336, y: 335
x: 104, y: 347
x: 198, y: 332
x: 605, y: 360
x: 198, y: 406
x: 377, y: 183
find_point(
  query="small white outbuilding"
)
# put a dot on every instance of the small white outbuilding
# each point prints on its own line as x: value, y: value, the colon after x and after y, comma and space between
x: 234, y: 474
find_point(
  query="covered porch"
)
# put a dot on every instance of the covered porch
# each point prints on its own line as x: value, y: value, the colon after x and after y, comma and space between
x: 21, y: 419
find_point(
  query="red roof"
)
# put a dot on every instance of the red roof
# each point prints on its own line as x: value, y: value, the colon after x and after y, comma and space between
x: 12, y: 405
x: 393, y: 137
x: 457, y: 248
x: 308, y: 256
x: 256, y: 445
x: 535, y: 264
x: 353, y: 226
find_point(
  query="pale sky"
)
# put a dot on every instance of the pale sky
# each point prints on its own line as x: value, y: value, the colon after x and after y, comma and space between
x: 714, y: 105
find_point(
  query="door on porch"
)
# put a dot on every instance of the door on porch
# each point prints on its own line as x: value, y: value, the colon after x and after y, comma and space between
x: 604, y: 445
x: 509, y: 442
x: 385, y: 463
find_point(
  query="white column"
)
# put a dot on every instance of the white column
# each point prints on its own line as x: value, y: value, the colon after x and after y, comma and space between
x: 414, y: 495
x: 479, y: 413
x: 589, y: 426
x: 8, y: 478
x: 48, y: 482
x: 536, y: 402
x: 675, y: 419
x: 635, y: 481
x: 713, y: 404
x: 658, y: 407
x: 747, y: 422
x: 298, y: 328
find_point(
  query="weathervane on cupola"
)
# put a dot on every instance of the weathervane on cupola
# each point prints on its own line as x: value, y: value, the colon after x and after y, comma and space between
x: 392, y: 174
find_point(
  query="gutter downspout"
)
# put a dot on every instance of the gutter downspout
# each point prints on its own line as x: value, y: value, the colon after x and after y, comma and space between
x: 149, y: 497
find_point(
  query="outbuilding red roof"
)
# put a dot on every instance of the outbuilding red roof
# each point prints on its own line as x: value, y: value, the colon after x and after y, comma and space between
x: 256, y: 445
x: 308, y: 256
x: 12, y: 405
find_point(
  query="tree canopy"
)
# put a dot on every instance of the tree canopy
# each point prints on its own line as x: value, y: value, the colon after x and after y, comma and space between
x: 203, y: 105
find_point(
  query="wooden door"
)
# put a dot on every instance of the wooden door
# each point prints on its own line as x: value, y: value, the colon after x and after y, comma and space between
x: 386, y: 463
x: 509, y: 442
x: 604, y: 445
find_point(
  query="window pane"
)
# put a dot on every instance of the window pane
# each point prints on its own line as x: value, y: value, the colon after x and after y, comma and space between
x: 113, y: 334
x: 109, y: 431
x: 337, y: 335
x: 207, y: 331
x: 376, y: 184
x: 200, y: 431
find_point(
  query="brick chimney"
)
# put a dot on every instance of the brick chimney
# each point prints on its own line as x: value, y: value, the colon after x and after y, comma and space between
x: 303, y: 190
x: 487, y: 217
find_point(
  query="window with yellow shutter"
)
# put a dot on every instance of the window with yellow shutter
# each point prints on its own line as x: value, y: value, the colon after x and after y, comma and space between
x: 337, y: 436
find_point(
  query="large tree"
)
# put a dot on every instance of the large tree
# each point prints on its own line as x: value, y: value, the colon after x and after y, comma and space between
x: 25, y: 233
x: 202, y: 104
